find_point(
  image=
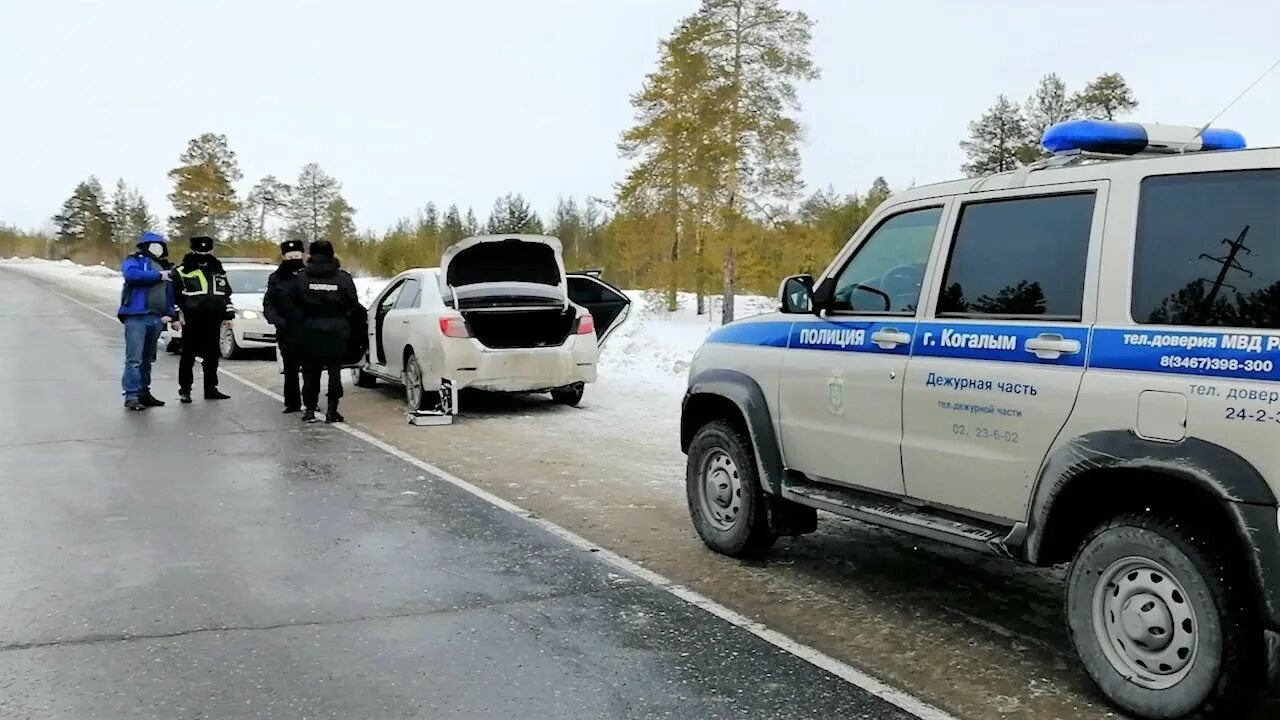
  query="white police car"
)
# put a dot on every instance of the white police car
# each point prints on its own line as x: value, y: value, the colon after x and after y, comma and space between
x: 1077, y: 361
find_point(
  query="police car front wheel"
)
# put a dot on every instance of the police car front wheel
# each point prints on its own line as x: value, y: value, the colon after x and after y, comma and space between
x: 1163, y: 622
x: 723, y: 489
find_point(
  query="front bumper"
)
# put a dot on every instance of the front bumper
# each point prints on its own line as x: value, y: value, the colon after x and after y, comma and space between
x: 253, y: 333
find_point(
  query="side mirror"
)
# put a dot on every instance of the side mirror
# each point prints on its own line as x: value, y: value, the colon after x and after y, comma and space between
x: 795, y: 294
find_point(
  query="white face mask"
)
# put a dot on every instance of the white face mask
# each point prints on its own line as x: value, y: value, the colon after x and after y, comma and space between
x: 156, y: 250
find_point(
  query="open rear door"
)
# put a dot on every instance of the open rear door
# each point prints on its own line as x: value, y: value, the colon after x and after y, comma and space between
x: 607, y: 304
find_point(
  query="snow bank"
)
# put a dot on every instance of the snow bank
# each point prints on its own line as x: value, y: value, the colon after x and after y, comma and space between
x: 99, y: 278
x: 656, y: 346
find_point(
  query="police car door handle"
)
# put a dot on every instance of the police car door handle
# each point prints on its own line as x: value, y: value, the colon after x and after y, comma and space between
x: 1051, y: 346
x: 889, y: 338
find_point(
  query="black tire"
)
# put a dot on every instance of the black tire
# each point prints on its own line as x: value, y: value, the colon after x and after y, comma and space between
x: 569, y: 395
x: 747, y: 533
x: 1225, y: 642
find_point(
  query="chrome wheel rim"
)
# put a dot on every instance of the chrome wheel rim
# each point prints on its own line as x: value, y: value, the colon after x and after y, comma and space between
x: 720, y: 490
x: 1145, y: 623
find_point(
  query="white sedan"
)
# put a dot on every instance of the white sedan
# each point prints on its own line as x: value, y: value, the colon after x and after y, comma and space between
x: 249, y: 329
x: 499, y: 314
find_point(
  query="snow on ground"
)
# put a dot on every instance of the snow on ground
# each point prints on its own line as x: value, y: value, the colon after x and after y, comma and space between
x: 99, y: 279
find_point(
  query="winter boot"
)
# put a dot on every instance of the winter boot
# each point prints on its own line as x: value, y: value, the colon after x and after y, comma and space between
x: 216, y: 394
x: 309, y: 416
x: 184, y: 397
x: 134, y: 404
x: 333, y: 416
x: 289, y: 409
x: 146, y: 398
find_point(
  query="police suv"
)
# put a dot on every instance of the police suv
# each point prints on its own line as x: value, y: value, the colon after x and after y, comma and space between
x: 1077, y: 361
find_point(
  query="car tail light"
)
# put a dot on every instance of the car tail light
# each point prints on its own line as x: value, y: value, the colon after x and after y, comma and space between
x: 454, y: 327
x: 586, y: 324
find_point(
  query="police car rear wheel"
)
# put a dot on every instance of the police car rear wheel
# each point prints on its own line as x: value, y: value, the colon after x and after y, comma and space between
x: 724, y: 495
x: 1162, y: 621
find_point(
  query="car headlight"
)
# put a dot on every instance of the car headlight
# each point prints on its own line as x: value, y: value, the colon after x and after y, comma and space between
x: 249, y: 314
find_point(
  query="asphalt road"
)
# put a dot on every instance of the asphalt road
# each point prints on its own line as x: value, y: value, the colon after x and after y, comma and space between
x: 220, y: 560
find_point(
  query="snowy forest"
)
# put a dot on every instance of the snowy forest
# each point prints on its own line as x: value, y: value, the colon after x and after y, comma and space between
x: 712, y: 203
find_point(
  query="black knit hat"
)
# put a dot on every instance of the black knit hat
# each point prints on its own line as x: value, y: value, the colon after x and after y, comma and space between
x: 321, y: 247
x: 289, y: 246
x: 202, y: 243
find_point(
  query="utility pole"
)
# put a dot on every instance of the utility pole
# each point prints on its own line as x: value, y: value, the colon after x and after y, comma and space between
x: 1228, y: 263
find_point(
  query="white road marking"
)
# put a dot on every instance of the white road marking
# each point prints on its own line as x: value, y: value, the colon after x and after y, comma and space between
x: 844, y: 671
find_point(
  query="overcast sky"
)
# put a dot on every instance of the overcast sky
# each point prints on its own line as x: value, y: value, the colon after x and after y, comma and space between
x: 460, y: 101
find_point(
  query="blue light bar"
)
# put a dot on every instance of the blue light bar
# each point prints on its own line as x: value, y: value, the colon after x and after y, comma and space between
x: 1126, y: 138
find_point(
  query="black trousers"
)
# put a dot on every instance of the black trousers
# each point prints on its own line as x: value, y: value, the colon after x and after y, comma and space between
x: 292, y: 361
x: 311, y: 383
x: 199, y: 339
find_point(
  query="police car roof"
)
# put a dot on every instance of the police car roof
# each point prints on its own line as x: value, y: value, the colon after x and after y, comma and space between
x: 1140, y: 165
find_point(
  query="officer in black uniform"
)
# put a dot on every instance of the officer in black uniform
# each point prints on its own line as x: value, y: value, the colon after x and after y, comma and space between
x: 204, y: 297
x: 327, y: 301
x: 283, y: 313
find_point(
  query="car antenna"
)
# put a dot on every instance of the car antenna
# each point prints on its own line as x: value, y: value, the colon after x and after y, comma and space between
x: 1224, y: 110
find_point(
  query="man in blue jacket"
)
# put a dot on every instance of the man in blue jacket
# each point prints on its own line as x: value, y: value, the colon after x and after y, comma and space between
x: 146, y: 304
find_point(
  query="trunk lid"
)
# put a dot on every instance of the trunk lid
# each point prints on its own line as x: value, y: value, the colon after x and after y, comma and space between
x: 503, y: 270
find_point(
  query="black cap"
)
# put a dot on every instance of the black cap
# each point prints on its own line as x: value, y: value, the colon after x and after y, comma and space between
x: 202, y: 243
x: 321, y: 247
x: 289, y: 246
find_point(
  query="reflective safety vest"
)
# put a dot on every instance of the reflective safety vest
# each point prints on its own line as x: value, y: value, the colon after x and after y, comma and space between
x: 199, y: 294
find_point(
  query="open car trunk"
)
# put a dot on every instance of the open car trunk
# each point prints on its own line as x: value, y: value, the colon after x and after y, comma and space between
x: 503, y: 270
x: 522, y: 328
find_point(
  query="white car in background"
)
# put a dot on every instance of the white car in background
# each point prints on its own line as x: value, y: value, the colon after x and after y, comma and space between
x: 249, y: 330
x: 499, y: 314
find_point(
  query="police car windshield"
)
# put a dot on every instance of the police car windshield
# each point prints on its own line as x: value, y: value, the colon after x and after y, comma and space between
x: 248, y: 280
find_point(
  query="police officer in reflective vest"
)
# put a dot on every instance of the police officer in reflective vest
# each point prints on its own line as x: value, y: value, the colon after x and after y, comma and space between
x: 282, y: 312
x: 327, y: 299
x: 204, y: 298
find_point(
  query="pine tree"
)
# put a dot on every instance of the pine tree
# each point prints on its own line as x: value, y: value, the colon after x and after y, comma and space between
x: 452, y: 230
x: 140, y: 219
x: 472, y: 224
x: 995, y: 140
x: 756, y: 54
x: 121, y: 203
x: 566, y: 224
x: 269, y: 199
x: 512, y: 214
x: 309, y: 203
x: 1048, y: 105
x: 83, y: 225
x: 339, y: 222
x: 203, y: 197
x: 1105, y: 97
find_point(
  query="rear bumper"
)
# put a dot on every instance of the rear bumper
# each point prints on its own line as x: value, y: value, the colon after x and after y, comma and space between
x: 1261, y: 525
x: 470, y: 365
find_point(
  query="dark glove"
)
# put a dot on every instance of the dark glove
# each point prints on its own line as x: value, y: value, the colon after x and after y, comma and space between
x: 231, y: 313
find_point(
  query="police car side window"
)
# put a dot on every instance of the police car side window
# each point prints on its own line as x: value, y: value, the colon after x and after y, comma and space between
x: 1207, y: 250
x: 1022, y: 257
x: 886, y: 273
